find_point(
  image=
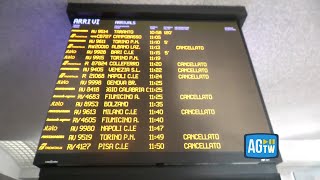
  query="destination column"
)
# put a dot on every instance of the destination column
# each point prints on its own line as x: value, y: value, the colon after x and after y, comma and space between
x: 120, y: 120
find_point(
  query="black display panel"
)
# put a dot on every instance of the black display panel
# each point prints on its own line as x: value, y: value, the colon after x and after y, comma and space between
x: 145, y: 92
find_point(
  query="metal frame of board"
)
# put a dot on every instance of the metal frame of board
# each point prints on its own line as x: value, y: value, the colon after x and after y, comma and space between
x: 156, y: 12
x: 249, y: 170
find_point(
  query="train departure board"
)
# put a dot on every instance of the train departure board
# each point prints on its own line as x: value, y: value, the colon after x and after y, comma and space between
x: 136, y: 91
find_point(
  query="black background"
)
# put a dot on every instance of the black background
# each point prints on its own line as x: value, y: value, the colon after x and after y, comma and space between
x: 236, y: 98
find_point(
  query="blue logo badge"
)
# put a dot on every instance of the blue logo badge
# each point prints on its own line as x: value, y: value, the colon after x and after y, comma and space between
x: 261, y: 146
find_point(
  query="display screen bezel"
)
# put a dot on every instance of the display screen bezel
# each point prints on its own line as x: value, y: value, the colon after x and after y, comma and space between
x: 152, y: 158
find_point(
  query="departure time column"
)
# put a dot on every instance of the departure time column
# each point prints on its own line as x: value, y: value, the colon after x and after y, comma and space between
x: 156, y: 111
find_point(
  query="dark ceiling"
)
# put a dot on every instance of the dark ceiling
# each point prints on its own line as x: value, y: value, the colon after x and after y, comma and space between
x: 33, y: 35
